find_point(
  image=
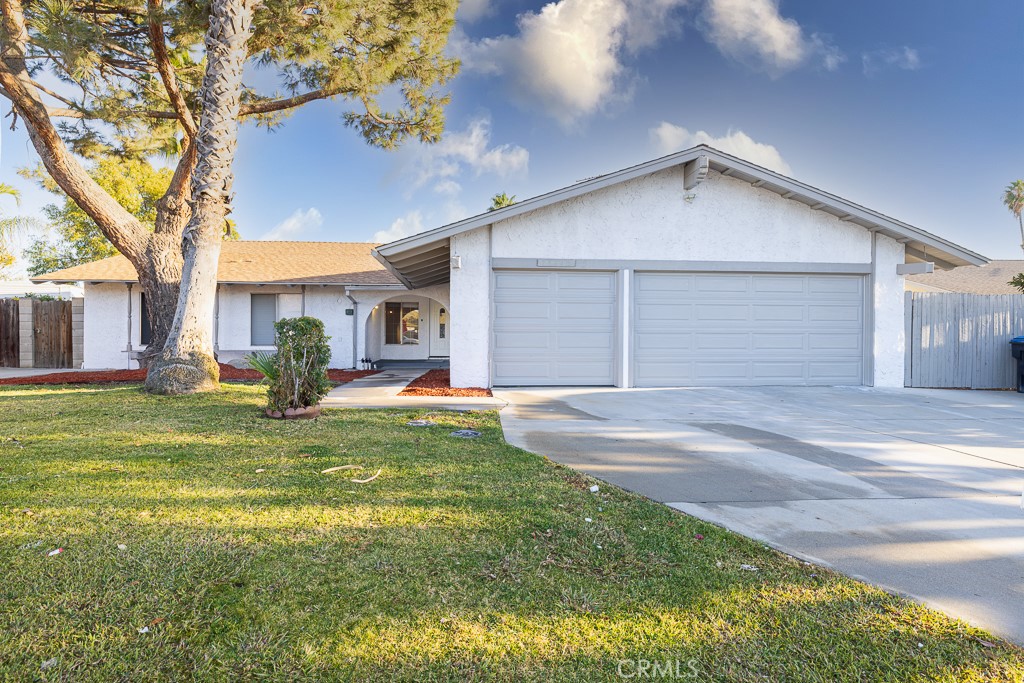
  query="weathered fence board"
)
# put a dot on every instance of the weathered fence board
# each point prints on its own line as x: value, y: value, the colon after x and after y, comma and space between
x: 51, y: 325
x: 10, y: 339
x: 961, y: 340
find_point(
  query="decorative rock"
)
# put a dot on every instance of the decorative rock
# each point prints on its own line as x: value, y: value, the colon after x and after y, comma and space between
x: 306, y: 413
x: 420, y: 423
x: 465, y: 433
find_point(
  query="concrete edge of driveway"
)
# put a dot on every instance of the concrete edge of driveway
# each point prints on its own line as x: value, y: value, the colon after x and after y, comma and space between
x: 382, y: 391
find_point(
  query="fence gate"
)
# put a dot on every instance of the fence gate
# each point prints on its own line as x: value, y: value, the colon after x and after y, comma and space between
x: 10, y: 340
x: 960, y: 341
x: 51, y: 324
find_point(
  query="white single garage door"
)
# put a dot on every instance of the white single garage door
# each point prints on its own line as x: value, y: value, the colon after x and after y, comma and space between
x: 554, y: 328
x: 721, y: 329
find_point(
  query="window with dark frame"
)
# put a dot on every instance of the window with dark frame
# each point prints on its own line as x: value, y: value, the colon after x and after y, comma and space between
x: 401, y: 323
x: 145, y: 329
x: 263, y: 309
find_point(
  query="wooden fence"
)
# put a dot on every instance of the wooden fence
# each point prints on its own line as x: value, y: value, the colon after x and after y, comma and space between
x: 962, y: 340
x: 51, y: 327
x: 10, y: 339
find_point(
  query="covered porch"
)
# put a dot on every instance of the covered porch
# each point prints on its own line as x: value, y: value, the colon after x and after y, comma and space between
x: 398, y: 327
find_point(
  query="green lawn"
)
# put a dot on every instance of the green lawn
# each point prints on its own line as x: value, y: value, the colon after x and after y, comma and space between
x: 464, y: 560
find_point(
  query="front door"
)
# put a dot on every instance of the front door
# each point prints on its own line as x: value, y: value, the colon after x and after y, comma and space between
x: 440, y: 329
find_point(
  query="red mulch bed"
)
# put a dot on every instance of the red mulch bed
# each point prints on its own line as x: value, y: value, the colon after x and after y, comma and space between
x: 439, y: 383
x: 227, y: 373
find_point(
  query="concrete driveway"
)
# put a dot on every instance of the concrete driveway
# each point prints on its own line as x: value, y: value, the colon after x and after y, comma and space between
x: 915, y: 490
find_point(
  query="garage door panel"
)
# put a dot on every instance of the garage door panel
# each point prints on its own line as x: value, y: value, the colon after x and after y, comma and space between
x: 774, y: 342
x: 525, y: 341
x: 667, y: 342
x: 506, y: 284
x: 835, y: 342
x: 652, y: 374
x: 587, y: 282
x: 747, y: 329
x: 527, y: 310
x: 710, y: 341
x: 779, y: 286
x: 769, y: 313
x: 554, y: 327
x: 660, y: 285
x: 833, y: 371
x: 525, y: 369
x: 585, y: 341
x: 836, y: 313
x: 834, y: 285
x: 724, y: 284
x: 709, y: 370
x: 578, y: 311
x: 659, y: 313
x: 782, y: 370
x: 727, y: 312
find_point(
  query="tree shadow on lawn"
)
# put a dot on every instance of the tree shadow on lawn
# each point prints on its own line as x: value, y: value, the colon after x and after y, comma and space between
x: 466, y: 560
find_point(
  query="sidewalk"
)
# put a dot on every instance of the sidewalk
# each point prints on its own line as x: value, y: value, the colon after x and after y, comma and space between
x: 381, y: 391
x: 8, y: 373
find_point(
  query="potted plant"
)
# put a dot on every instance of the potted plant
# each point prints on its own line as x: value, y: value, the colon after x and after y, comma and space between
x: 297, y: 373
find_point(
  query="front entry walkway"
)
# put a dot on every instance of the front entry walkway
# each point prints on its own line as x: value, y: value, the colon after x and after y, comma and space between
x: 381, y: 391
x: 915, y: 490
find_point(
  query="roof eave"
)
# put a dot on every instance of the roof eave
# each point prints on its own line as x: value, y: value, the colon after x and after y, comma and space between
x: 950, y: 254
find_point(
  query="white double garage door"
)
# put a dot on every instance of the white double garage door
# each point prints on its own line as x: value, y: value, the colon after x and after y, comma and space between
x: 677, y: 328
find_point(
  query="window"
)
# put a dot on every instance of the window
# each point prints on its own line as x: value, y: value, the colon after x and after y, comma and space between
x: 442, y: 323
x: 401, y: 323
x: 145, y: 329
x: 264, y: 313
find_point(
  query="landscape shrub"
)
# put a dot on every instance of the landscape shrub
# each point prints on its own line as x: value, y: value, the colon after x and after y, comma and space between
x: 296, y: 373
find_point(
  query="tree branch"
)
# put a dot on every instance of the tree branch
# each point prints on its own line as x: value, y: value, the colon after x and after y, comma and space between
x: 270, y: 106
x: 119, y: 226
x: 163, y: 65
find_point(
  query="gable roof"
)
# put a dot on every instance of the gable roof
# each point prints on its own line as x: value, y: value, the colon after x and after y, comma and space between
x: 993, y: 278
x: 258, y: 262
x: 422, y: 259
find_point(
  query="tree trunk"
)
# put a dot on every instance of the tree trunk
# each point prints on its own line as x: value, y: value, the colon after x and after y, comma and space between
x: 186, y: 364
x: 160, y: 277
x: 156, y: 256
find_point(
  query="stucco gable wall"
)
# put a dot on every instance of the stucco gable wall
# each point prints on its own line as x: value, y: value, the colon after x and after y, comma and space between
x: 653, y: 217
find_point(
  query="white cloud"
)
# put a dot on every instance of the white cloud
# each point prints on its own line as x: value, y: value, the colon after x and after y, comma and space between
x: 568, y: 57
x: 409, y: 224
x: 448, y: 187
x: 475, y: 10
x: 471, y: 150
x: 754, y: 33
x: 668, y: 138
x: 906, y: 58
x: 295, y: 226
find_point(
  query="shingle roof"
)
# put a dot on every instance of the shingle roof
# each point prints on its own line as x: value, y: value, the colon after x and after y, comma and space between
x: 990, y: 279
x: 341, y: 263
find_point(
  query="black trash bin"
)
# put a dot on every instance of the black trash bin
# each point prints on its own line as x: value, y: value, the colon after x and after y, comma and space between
x: 1017, y: 346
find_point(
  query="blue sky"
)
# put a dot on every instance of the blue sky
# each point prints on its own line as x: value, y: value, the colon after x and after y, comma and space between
x: 912, y: 108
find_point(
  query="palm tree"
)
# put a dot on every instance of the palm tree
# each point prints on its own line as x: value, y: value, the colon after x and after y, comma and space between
x: 500, y: 201
x: 1013, y: 197
x: 9, y: 225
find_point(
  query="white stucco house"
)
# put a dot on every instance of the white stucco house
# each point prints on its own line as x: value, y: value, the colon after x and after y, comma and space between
x: 695, y: 269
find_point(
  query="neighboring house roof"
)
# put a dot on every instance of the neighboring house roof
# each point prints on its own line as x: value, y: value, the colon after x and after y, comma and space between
x: 258, y: 262
x: 18, y: 288
x: 993, y: 278
x: 422, y: 259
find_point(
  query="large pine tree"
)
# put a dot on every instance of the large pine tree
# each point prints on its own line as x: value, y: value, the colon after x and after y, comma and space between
x: 97, y: 79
